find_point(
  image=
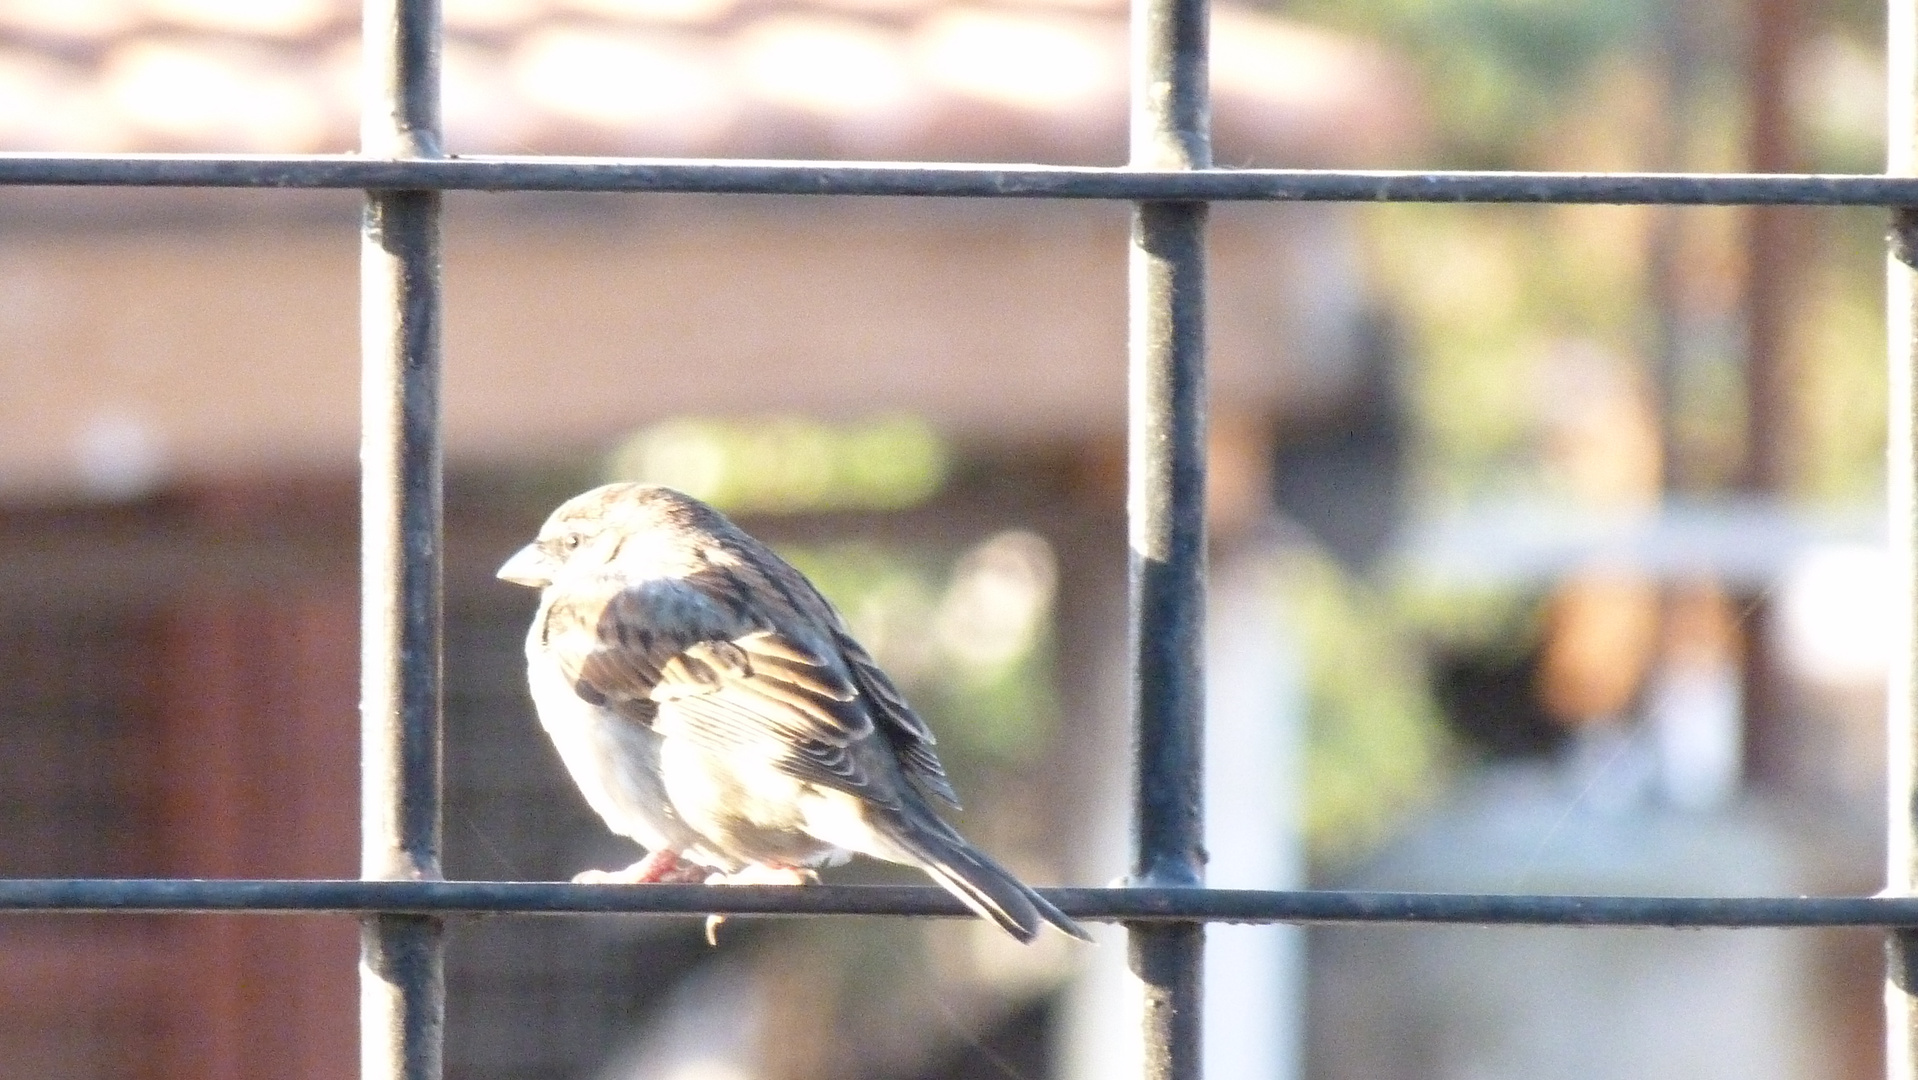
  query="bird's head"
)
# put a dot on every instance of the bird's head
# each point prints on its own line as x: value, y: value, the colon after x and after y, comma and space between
x: 649, y: 530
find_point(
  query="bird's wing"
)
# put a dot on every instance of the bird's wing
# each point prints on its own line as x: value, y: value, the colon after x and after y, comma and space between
x: 908, y: 735
x: 675, y: 654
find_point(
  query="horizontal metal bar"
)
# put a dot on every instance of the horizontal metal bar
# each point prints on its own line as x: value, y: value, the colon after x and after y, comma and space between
x: 150, y: 896
x: 946, y: 179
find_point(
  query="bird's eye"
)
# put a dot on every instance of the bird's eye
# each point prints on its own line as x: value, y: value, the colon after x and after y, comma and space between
x: 570, y: 541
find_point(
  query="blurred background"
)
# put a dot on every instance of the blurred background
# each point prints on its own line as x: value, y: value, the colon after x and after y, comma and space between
x: 1548, y: 550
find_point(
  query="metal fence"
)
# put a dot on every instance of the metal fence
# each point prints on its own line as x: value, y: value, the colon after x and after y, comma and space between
x: 1170, y: 180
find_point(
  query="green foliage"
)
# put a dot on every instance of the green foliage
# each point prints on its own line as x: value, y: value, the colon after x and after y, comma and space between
x: 1488, y: 296
x: 789, y: 464
x: 1497, y: 73
x: 1486, y: 293
x: 1842, y: 411
x: 1491, y: 622
x: 1375, y: 743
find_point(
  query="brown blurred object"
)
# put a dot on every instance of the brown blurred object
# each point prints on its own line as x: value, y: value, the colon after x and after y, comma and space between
x: 235, y: 756
x: 1700, y: 626
x: 1776, y: 242
x: 1238, y: 477
x: 1603, y: 445
x: 1600, y: 631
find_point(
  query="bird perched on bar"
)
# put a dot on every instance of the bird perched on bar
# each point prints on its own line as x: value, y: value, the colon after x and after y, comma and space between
x: 714, y: 707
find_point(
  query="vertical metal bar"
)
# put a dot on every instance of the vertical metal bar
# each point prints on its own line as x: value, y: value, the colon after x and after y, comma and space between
x: 402, y: 983
x: 1901, y: 484
x: 1166, y: 509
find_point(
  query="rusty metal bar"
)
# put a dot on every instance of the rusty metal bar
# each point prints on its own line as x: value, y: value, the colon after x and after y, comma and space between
x: 402, y: 973
x: 1165, y: 505
x: 944, y: 179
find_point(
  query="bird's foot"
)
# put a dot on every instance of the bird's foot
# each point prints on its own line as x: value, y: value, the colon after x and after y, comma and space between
x: 755, y: 874
x: 660, y: 866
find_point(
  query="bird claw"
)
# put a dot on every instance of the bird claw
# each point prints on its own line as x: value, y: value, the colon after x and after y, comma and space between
x: 755, y: 874
x: 657, y: 867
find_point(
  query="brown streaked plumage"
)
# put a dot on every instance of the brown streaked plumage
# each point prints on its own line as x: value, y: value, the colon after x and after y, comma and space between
x: 714, y: 707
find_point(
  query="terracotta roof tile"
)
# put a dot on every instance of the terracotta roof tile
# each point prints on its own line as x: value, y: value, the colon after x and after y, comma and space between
x: 1036, y: 81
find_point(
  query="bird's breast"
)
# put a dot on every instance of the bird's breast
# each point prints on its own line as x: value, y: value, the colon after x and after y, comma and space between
x: 743, y: 805
x: 614, y: 761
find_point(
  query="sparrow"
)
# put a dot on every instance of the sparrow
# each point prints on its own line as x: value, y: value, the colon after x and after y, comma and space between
x: 714, y: 707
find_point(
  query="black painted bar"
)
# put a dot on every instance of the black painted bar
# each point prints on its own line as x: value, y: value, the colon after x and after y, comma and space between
x: 1165, y: 509
x: 946, y: 179
x: 25, y: 897
x: 402, y: 970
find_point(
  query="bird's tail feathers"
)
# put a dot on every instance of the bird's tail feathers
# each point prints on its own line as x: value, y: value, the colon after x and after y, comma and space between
x: 982, y: 884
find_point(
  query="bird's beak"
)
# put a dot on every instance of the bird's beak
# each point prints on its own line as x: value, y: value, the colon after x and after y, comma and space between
x: 529, y: 566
